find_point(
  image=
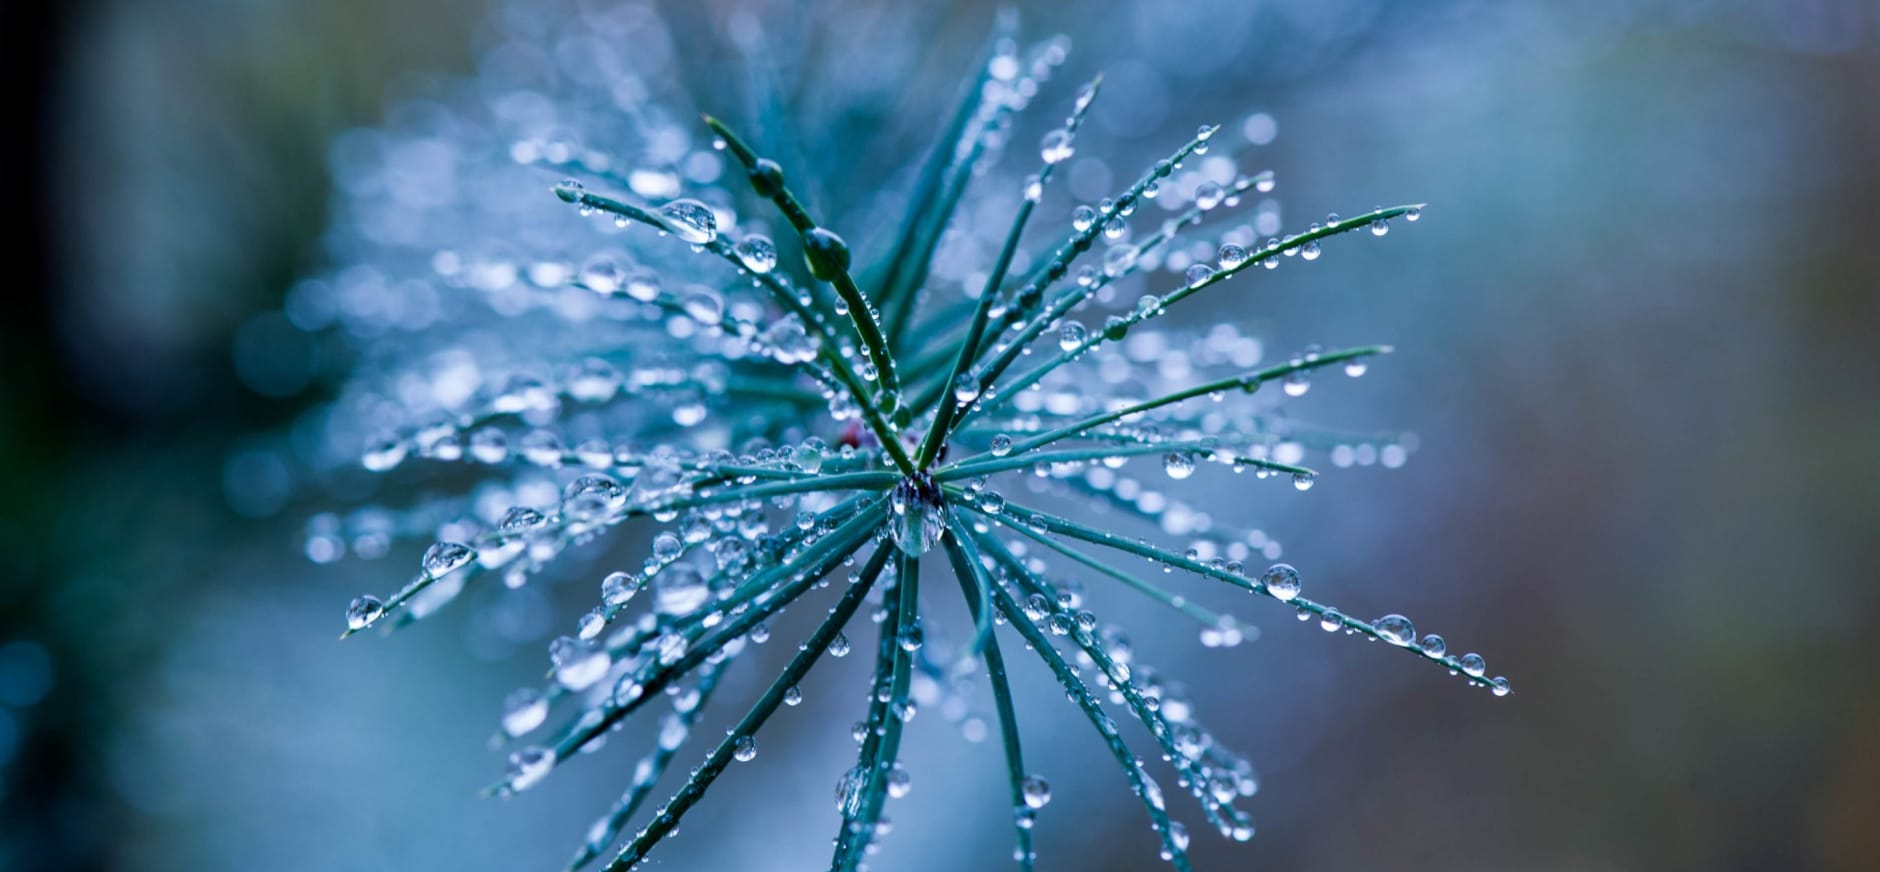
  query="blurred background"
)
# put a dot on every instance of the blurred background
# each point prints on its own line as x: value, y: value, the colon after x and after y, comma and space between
x: 1638, y: 336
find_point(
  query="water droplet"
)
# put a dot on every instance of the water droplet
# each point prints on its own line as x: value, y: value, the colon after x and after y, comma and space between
x: 1302, y: 481
x: 578, y: 664
x: 1036, y: 791
x: 690, y: 220
x: 1473, y: 665
x: 1208, y: 195
x: 666, y: 547
x: 443, y: 558
x: 1500, y: 686
x: 523, y: 711
x: 1071, y: 335
x: 1178, y: 465
x: 364, y: 611
x: 1057, y: 146
x: 520, y: 519
x: 384, y: 451
x: 1281, y: 580
x: 919, y: 516
x: 1380, y: 227
x: 1395, y: 629
x: 966, y: 389
x: 1331, y: 621
x: 744, y: 749
x: 1310, y: 251
x: 1198, y: 274
x: 850, y: 788
x: 839, y: 646
x: 679, y: 589
x: 758, y: 253
x: 1356, y: 366
x: 1232, y: 256
x: 1001, y: 445
x: 1296, y: 383
x: 1414, y: 214
x: 1432, y: 645
x: 528, y: 766
x: 899, y: 782
x: 1034, y: 188
x: 792, y: 695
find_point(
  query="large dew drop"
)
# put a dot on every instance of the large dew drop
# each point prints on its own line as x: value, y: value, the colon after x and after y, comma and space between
x: 364, y: 612
x: 1281, y: 580
x: 690, y: 220
x: 446, y: 557
x: 919, y: 516
x: 1395, y: 629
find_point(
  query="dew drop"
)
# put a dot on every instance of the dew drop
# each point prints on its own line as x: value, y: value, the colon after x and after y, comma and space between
x: 1208, y: 195
x: 1178, y: 465
x: 1395, y: 629
x: 1310, y: 251
x: 1198, y: 274
x: 1281, y: 580
x: 364, y: 611
x: 1500, y: 686
x: 1296, y: 383
x: 528, y: 766
x: 1036, y: 791
x: 1433, y: 645
x: 1232, y: 256
x: 1057, y: 146
x: 744, y: 749
x: 690, y: 220
x: 1302, y: 481
x: 1071, y: 335
x: 758, y: 253
x: 1001, y: 445
x: 443, y: 558
x: 524, y: 710
x: 1473, y: 665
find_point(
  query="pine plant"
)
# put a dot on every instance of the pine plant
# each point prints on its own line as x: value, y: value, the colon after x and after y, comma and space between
x: 581, y: 345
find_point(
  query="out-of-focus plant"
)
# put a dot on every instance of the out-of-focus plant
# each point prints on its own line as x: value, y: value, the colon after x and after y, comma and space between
x: 784, y: 425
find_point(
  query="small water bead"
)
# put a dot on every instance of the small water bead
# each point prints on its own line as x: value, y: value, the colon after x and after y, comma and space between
x: 569, y: 190
x: 744, y: 749
x: 1232, y: 256
x: 1331, y: 621
x: 1433, y: 645
x: 1208, y: 195
x: 603, y: 273
x: 529, y: 766
x: 1395, y: 629
x: 1082, y: 218
x: 489, y: 445
x: 520, y: 519
x: 1473, y: 665
x: 384, y: 452
x: 364, y: 611
x: 690, y: 220
x: 853, y: 785
x: 1071, y: 335
x: 523, y: 711
x: 1412, y: 214
x: 666, y: 547
x: 1380, y: 227
x: 1302, y: 481
x: 1296, y: 383
x: 1001, y: 445
x: 1500, y: 686
x: 1034, y: 188
x: 758, y: 253
x: 1178, y: 465
x: 1264, y: 181
x: 1115, y: 229
x: 591, y: 624
x: 444, y: 558
x: 1036, y: 791
x: 966, y: 389
x: 578, y: 664
x: 792, y: 695
x: 1198, y: 274
x: 1310, y: 251
x: 1356, y: 367
x: 900, y: 783
x: 1281, y: 580
x: 839, y: 646
x: 1057, y: 146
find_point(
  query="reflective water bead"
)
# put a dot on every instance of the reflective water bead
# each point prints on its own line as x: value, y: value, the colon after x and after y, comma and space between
x: 792, y: 695
x: 528, y: 766
x: 851, y: 788
x: 690, y: 220
x: 384, y: 451
x: 1036, y: 791
x: 1034, y: 188
x: 1473, y: 665
x: 1297, y: 383
x: 1433, y: 645
x: 1380, y: 227
x: 744, y: 749
x: 1331, y: 621
x: 1310, y: 251
x: 523, y: 711
x: 1500, y: 686
x: 1001, y: 445
x: 1232, y: 256
x: 1356, y: 366
x: 591, y: 624
x: 1412, y: 214
x: 1208, y: 195
x: 1281, y: 580
x: 1178, y: 465
x: 603, y: 273
x: 899, y: 783
x: 758, y: 253
x: 1071, y: 335
x: 1082, y: 218
x: 578, y: 664
x: 489, y: 445
x: 839, y: 646
x: 1057, y: 146
x: 443, y: 558
x: 666, y: 547
x: 1198, y: 274
x: 1395, y: 629
x: 364, y: 611
x: 1302, y: 481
